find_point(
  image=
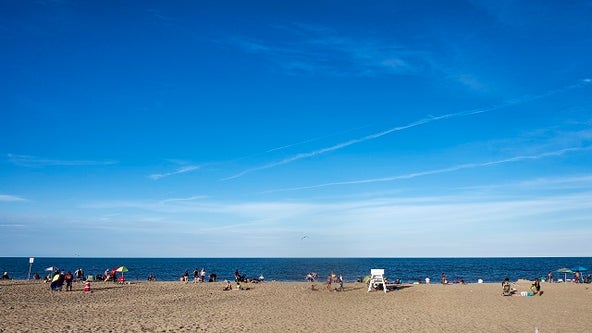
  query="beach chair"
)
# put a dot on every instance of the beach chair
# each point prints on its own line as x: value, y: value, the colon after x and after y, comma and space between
x: 376, y: 279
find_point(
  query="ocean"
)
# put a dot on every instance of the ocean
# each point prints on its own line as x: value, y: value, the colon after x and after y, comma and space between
x: 295, y: 269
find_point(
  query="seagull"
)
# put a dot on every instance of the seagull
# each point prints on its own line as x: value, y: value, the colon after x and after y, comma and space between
x: 303, y: 237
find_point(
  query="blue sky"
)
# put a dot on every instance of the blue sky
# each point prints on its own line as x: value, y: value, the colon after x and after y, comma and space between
x: 235, y: 129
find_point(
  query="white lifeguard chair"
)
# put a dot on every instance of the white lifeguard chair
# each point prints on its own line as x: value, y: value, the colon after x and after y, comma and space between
x: 376, y: 278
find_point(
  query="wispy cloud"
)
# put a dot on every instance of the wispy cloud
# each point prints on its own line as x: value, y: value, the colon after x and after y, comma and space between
x: 178, y: 171
x: 189, y: 199
x: 411, y: 216
x: 574, y: 183
x: 427, y: 120
x: 37, y: 162
x: 159, y: 17
x: 442, y: 170
x: 306, y: 49
x: 11, y: 198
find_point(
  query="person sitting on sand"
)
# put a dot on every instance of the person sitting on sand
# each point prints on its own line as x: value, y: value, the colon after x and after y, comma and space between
x: 228, y: 286
x: 507, y: 289
x: 536, y: 287
x: 5, y: 276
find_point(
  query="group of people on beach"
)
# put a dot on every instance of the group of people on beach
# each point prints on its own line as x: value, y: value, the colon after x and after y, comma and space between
x: 332, y: 279
x: 240, y: 279
x: 199, y: 275
x: 59, y: 278
x: 509, y: 290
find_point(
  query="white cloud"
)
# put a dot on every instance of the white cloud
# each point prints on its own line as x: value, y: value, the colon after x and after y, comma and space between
x: 396, y: 223
x: 11, y: 198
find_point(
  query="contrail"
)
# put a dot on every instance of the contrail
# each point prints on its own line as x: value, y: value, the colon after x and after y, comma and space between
x: 184, y: 169
x: 515, y: 101
x: 439, y: 171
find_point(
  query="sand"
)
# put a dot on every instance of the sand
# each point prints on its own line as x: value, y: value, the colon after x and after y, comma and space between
x: 27, y: 306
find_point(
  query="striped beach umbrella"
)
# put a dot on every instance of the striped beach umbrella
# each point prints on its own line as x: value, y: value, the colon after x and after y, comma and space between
x: 121, y: 269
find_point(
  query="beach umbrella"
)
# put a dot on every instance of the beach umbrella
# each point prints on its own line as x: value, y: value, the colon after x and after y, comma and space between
x: 579, y: 268
x: 51, y: 269
x: 564, y: 270
x: 121, y: 269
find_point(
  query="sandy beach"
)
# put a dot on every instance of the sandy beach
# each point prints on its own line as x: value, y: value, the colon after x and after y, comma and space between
x: 28, y: 306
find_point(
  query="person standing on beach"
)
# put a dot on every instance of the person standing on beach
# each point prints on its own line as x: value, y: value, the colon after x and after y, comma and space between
x: 68, y: 278
x: 79, y: 274
x: 550, y: 277
x: 202, y: 275
x: 444, y: 281
x: 195, y: 275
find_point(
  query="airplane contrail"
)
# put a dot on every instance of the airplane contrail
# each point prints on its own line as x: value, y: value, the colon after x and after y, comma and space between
x: 438, y: 171
x: 511, y: 102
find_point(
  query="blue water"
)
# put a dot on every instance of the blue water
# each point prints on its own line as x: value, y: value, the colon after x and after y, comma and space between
x: 295, y: 269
